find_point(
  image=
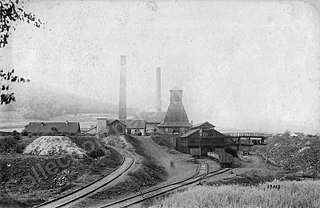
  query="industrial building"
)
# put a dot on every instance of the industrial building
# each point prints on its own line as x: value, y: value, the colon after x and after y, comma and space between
x: 128, y: 126
x: 152, y: 119
x: 53, y: 127
x: 201, y: 139
x: 116, y: 127
x: 176, y: 119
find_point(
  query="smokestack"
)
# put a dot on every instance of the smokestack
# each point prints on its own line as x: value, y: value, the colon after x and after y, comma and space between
x: 122, y: 96
x: 158, y: 89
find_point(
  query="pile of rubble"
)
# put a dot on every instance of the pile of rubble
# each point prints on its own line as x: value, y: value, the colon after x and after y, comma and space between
x: 293, y: 153
x: 54, y: 145
x: 116, y: 141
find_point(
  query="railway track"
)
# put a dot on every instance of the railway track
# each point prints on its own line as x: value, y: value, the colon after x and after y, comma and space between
x: 201, y: 173
x: 82, y: 192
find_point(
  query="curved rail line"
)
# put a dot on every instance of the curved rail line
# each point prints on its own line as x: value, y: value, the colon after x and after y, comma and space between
x: 156, y: 189
x: 80, y: 189
x: 176, y: 185
x: 199, y: 178
x: 131, y: 197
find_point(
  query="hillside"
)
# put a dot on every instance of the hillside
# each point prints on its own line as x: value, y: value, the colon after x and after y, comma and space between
x: 293, y: 153
x: 38, y: 102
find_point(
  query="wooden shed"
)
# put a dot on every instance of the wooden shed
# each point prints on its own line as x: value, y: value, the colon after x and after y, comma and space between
x: 117, y: 127
x: 201, y: 139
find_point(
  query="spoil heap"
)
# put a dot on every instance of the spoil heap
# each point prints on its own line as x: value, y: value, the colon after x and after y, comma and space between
x: 293, y: 153
x: 116, y: 141
x: 54, y: 145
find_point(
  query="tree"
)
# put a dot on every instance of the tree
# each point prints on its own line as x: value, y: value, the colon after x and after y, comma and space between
x: 11, y: 11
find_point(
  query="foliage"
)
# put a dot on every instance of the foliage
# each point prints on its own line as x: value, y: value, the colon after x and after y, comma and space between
x: 7, y: 144
x: 289, y: 194
x: 287, y: 133
x: 96, y: 153
x: 11, y: 11
x: 24, y: 132
x: 20, y: 147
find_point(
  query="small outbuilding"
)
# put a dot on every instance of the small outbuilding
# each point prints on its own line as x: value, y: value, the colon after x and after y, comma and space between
x: 152, y: 119
x: 117, y: 127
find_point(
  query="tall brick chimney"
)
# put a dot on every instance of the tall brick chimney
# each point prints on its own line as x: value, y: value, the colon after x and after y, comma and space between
x: 123, y: 93
x: 158, y: 89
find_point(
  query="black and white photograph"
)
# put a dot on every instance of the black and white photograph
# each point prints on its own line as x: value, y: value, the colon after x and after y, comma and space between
x: 161, y: 104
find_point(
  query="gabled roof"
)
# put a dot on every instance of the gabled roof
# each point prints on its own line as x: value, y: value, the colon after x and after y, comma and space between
x: 130, y: 124
x: 204, y: 124
x: 115, y: 120
x: 189, y: 133
x: 46, y: 127
x: 152, y: 117
x: 214, y: 133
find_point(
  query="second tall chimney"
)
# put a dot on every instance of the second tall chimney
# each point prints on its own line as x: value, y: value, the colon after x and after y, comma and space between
x: 122, y: 96
x: 158, y: 89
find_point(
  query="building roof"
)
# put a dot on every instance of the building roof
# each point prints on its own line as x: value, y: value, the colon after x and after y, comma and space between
x: 189, y: 133
x: 214, y: 133
x: 204, y: 124
x: 115, y: 120
x: 46, y: 127
x: 152, y: 117
x: 176, y: 88
x: 130, y: 124
x: 176, y: 116
x: 135, y: 124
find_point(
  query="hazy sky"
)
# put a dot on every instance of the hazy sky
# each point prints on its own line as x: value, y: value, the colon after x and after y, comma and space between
x: 241, y: 64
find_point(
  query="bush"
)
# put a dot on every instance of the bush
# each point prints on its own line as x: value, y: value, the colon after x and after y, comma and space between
x: 20, y: 147
x: 66, y: 187
x: 97, y: 153
x: 24, y: 133
x: 7, y: 144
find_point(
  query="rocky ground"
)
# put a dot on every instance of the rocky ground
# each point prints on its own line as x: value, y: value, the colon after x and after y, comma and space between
x: 293, y: 153
x: 28, y: 179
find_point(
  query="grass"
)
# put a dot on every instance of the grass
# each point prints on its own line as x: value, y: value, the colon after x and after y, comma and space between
x: 290, y: 194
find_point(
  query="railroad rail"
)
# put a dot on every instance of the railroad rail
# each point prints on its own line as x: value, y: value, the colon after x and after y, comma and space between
x: 80, y: 196
x: 203, y: 173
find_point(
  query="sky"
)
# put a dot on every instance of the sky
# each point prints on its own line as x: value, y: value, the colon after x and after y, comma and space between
x: 248, y: 65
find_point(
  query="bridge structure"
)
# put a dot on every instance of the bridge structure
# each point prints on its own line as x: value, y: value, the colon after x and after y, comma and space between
x: 251, y: 138
x: 247, y: 134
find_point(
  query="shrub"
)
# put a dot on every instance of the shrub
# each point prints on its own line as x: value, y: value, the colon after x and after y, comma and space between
x: 7, y: 144
x: 20, y: 147
x: 66, y: 187
x: 96, y: 153
x: 24, y: 133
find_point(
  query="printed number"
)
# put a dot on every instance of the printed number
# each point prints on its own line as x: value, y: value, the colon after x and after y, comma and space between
x: 271, y: 186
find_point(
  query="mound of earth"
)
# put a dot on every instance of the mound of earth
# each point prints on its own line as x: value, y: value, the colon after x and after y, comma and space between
x: 116, y: 141
x: 53, y: 145
x: 293, y: 153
